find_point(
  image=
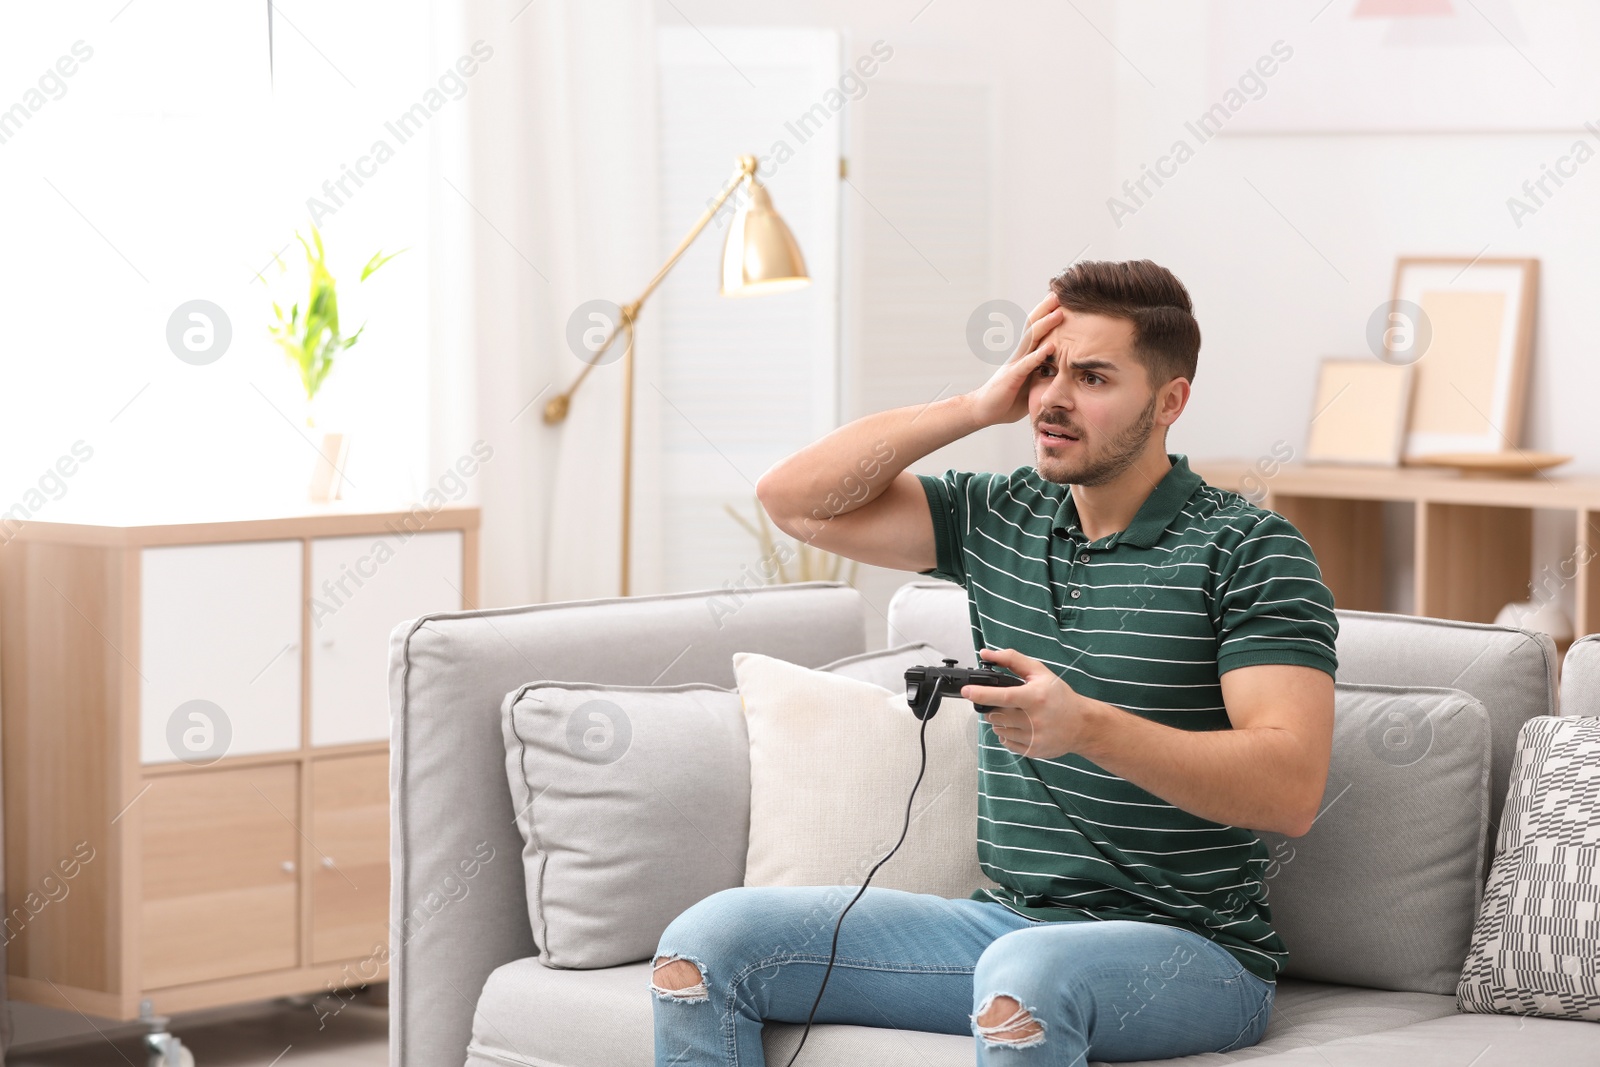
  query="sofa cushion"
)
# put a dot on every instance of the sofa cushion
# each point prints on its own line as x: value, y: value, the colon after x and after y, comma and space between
x: 1511, y: 672
x: 1382, y: 890
x: 633, y: 804
x: 1451, y: 1041
x: 1536, y: 946
x: 832, y: 762
x: 606, y: 1018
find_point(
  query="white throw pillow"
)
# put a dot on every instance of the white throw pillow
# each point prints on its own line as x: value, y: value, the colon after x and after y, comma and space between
x: 1536, y: 947
x: 832, y: 762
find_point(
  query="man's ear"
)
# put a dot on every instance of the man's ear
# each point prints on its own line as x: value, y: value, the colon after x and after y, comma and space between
x: 1177, y: 388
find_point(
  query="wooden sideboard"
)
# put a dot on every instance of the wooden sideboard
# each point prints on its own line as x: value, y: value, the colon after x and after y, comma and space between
x: 1473, y: 547
x: 196, y: 733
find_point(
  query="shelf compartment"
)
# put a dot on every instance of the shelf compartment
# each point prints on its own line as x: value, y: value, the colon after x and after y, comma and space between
x: 1472, y: 559
x: 1346, y: 535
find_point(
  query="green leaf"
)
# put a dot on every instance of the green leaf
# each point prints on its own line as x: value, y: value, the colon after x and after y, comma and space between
x: 378, y: 259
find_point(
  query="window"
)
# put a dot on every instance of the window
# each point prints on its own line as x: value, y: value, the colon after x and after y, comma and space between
x: 169, y: 166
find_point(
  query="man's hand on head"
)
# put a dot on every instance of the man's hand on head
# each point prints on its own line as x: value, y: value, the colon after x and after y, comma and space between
x: 1004, y: 397
x: 1043, y: 717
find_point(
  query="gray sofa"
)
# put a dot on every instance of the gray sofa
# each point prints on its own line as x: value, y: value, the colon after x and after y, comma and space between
x: 467, y: 985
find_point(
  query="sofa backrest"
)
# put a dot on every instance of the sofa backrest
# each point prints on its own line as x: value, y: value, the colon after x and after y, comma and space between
x: 458, y: 903
x: 936, y: 613
x: 1512, y: 672
x: 1580, y: 677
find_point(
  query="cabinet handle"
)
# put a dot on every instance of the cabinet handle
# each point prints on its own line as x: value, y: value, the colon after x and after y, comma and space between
x: 327, y: 863
x: 288, y: 866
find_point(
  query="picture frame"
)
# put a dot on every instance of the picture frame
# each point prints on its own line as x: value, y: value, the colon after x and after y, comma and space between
x: 1358, y: 412
x: 1465, y: 325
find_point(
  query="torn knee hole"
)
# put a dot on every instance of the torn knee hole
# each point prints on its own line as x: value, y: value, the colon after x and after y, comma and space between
x: 1002, y: 1020
x: 678, y: 978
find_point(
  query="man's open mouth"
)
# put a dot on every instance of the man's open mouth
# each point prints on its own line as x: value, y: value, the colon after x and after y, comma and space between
x: 1058, y: 435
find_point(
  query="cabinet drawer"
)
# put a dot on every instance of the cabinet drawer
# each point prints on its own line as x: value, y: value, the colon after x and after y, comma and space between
x: 350, y: 831
x: 219, y: 873
x: 221, y: 624
x: 361, y: 589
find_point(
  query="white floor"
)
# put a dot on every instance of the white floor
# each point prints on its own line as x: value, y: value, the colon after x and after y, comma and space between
x: 280, y: 1034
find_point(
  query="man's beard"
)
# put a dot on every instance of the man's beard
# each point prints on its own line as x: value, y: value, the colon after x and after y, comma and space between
x: 1119, y: 453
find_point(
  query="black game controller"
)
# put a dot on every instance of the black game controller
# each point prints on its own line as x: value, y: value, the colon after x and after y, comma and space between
x: 925, y: 686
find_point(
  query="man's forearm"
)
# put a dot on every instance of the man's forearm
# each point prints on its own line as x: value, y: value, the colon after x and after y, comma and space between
x: 853, y: 464
x: 1258, y: 778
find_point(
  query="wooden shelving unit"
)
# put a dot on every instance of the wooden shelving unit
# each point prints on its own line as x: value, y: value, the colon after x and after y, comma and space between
x: 142, y: 883
x: 1474, y: 535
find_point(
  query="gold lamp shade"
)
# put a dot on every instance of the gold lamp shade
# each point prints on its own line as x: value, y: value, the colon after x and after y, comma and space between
x: 760, y: 255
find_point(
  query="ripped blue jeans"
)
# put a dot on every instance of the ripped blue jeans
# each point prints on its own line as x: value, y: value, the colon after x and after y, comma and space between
x: 1055, y: 993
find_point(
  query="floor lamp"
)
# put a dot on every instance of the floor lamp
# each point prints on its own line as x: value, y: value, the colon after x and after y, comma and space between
x: 760, y: 256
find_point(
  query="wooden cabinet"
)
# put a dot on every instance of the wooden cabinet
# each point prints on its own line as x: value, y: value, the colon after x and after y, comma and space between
x: 350, y: 840
x: 1472, y: 550
x: 196, y: 751
x: 220, y: 857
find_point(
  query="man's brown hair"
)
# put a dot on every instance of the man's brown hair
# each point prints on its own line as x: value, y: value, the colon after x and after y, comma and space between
x: 1166, y: 337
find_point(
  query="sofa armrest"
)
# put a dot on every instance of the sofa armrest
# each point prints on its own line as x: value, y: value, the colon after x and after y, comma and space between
x: 458, y: 905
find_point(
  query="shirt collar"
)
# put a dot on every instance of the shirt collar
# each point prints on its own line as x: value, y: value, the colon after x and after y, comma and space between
x: 1163, y: 504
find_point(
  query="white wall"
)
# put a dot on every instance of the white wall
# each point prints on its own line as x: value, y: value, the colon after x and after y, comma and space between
x: 1270, y: 306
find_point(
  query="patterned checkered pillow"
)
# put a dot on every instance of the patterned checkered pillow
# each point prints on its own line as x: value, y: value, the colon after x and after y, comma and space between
x: 1536, y: 946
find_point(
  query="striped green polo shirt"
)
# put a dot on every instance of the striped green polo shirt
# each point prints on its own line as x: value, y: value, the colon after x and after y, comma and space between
x: 1146, y: 619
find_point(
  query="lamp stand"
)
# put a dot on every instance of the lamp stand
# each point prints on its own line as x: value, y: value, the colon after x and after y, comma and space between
x: 558, y: 407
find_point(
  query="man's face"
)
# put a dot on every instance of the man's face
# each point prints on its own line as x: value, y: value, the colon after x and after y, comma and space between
x: 1094, y: 389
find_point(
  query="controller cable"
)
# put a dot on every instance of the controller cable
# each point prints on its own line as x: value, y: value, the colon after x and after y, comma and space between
x: 922, y: 740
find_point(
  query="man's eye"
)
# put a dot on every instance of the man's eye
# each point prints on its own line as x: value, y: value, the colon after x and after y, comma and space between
x: 1046, y: 369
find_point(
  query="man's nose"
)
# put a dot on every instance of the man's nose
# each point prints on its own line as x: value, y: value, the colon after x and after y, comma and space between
x: 1059, y: 393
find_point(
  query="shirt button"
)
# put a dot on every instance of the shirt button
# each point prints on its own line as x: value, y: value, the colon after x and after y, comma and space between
x: 1075, y: 594
x: 1084, y: 558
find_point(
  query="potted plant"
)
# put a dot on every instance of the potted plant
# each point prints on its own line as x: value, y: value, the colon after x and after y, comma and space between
x: 811, y: 563
x: 311, y: 339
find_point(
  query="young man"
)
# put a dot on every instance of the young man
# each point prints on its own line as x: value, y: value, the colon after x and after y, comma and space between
x: 1177, y: 646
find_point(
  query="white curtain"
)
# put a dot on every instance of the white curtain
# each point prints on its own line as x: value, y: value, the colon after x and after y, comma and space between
x: 547, y: 201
